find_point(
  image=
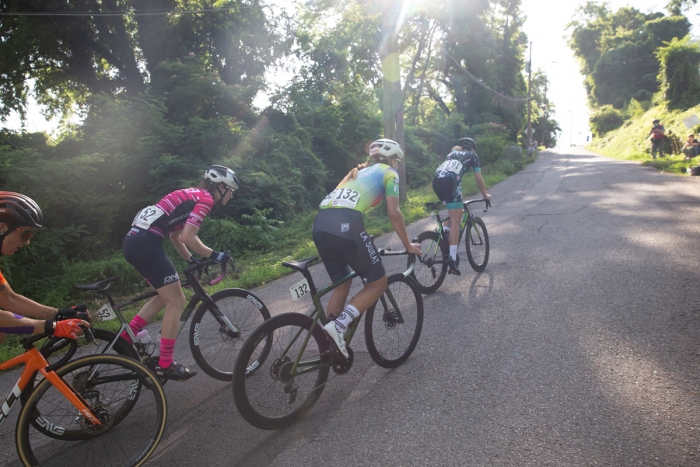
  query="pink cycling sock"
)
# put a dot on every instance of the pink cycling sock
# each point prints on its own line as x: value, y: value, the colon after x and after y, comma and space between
x: 136, y: 325
x: 167, y: 347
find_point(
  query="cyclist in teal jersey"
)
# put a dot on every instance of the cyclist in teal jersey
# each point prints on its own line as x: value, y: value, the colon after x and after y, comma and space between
x: 343, y: 243
x: 447, y: 184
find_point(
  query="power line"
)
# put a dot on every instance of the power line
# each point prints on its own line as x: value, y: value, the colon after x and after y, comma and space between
x: 481, y: 82
x: 159, y: 12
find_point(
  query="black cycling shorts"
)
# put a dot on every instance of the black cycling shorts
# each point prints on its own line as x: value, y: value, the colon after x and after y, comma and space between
x: 144, y: 251
x: 343, y: 243
x: 448, y: 190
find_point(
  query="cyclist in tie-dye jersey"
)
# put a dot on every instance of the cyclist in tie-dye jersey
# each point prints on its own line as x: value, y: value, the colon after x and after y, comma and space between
x: 343, y: 243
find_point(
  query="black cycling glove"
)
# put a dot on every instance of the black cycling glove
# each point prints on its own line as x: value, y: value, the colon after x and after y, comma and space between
x: 75, y: 311
x: 220, y: 257
x: 192, y: 260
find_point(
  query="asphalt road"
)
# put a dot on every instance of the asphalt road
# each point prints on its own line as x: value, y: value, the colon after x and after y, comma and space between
x: 578, y: 345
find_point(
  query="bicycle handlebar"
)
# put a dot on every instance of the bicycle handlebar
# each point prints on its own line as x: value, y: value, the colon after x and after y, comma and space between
x: 484, y: 200
x: 202, y: 264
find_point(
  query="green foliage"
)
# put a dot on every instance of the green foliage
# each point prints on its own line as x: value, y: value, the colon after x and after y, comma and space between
x: 617, y: 50
x: 680, y: 76
x: 606, y: 119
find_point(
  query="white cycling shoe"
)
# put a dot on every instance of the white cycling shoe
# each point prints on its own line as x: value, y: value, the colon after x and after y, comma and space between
x: 338, y: 338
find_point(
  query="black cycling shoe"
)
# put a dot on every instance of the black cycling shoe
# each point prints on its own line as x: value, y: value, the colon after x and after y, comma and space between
x: 175, y: 371
x: 453, y: 267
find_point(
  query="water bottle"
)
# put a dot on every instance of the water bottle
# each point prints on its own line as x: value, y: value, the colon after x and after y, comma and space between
x: 143, y: 337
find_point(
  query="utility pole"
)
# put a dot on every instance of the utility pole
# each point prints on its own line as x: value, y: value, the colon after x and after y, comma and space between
x: 544, y: 122
x: 392, y: 105
x: 529, y: 97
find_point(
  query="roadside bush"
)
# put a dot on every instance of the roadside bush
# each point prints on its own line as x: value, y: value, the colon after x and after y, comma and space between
x: 606, y: 119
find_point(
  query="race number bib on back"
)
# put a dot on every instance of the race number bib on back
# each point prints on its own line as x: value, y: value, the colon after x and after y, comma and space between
x: 343, y: 197
x: 147, y: 216
x: 451, y: 165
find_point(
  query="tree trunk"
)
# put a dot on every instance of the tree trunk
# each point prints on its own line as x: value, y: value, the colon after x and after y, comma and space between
x: 392, y: 102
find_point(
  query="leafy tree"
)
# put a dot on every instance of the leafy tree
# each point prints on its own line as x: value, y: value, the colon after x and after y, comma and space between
x: 679, y: 76
x: 616, y: 50
x: 120, y: 45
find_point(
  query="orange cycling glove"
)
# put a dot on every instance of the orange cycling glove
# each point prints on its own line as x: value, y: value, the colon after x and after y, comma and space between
x: 69, y: 328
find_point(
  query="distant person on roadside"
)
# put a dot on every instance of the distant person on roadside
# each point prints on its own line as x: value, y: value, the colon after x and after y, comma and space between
x: 691, y: 147
x: 531, y: 149
x: 657, y: 133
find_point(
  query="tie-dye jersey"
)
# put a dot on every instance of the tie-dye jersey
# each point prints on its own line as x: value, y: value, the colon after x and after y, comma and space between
x: 367, y: 190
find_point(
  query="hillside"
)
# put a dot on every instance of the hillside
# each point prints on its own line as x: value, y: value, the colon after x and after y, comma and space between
x: 631, y: 140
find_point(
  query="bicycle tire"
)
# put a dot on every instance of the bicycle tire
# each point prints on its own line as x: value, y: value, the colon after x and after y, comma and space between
x: 118, y: 441
x: 102, y: 338
x: 270, y: 399
x: 212, y: 348
x: 389, y: 341
x: 476, y: 242
x: 428, y: 275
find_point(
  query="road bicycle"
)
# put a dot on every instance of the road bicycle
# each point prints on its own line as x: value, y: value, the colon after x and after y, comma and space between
x: 219, y: 325
x: 274, y: 386
x: 431, y: 267
x: 96, y: 410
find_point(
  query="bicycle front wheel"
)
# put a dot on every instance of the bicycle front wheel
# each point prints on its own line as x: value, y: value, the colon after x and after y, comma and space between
x: 269, y: 393
x: 58, y: 351
x: 104, y: 382
x: 214, y: 346
x: 428, y: 274
x: 393, y: 325
x: 476, y: 242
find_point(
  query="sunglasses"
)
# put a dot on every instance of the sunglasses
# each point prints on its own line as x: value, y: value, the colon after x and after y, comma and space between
x: 26, y: 234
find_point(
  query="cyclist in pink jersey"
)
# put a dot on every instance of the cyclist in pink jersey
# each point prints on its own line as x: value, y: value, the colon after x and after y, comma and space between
x: 178, y: 216
x: 342, y: 242
x: 19, y: 217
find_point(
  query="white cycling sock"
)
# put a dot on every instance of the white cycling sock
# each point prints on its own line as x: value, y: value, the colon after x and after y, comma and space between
x: 348, y: 315
x: 453, y: 252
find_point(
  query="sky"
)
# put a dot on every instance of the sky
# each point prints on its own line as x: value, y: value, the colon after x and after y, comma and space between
x: 545, y: 26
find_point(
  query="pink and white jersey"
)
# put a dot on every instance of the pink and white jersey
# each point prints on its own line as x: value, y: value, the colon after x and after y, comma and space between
x: 186, y: 206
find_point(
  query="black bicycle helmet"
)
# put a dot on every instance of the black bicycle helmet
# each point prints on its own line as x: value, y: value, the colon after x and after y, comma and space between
x: 17, y: 210
x: 467, y: 143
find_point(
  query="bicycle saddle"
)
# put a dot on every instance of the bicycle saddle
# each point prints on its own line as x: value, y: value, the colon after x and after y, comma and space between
x: 301, y: 265
x: 97, y: 285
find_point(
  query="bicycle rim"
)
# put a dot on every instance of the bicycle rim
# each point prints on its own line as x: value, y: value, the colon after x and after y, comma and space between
x: 271, y: 397
x: 428, y: 275
x: 213, y: 345
x: 123, y: 439
x: 99, y: 345
x: 392, y: 332
x: 476, y: 243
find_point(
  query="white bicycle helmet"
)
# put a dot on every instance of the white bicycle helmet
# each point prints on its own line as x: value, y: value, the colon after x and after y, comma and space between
x: 221, y: 174
x: 387, y: 148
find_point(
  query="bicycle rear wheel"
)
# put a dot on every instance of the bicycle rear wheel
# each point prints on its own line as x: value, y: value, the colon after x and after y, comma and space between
x: 214, y: 347
x: 104, y: 382
x: 476, y: 242
x: 392, y: 328
x: 271, y: 397
x: 428, y: 274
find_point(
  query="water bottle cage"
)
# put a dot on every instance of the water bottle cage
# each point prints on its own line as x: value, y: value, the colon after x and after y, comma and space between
x: 146, y: 350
